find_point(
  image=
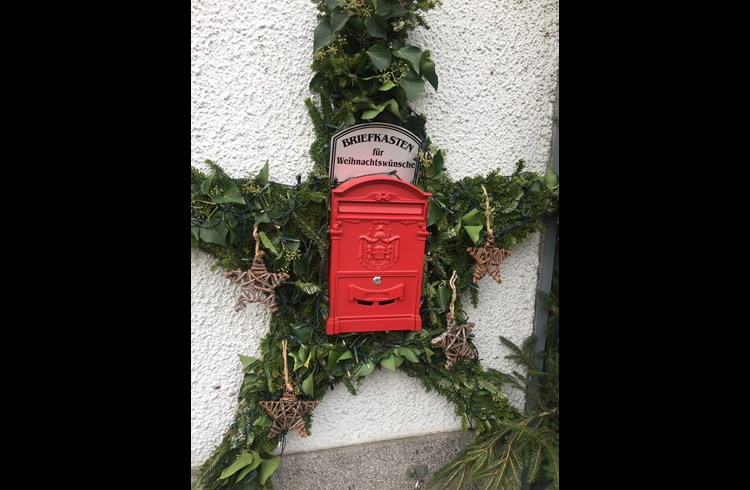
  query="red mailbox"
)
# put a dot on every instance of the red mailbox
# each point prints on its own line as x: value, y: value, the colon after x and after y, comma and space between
x: 378, y: 230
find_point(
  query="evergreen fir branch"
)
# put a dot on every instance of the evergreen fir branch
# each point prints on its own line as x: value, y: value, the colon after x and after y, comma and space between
x: 307, y: 287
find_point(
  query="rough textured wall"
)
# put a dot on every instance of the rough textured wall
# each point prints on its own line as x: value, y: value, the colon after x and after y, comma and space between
x: 497, y: 61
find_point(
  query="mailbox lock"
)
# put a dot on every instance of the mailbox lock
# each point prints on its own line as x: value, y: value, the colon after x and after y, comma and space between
x: 377, y: 280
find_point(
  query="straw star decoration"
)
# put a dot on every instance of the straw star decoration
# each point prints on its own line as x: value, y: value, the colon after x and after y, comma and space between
x: 287, y: 414
x: 455, y: 339
x: 288, y: 411
x: 257, y: 284
x: 455, y: 342
x: 488, y: 257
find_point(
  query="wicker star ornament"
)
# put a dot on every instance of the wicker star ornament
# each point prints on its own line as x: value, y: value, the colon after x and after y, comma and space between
x: 488, y: 257
x: 455, y: 342
x: 287, y: 414
x: 257, y: 285
x: 288, y: 411
x: 455, y: 339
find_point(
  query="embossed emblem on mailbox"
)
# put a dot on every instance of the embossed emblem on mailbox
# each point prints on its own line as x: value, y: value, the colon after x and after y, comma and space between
x: 378, y: 250
x: 378, y: 231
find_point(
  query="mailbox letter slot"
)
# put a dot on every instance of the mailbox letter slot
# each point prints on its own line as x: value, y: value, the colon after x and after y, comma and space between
x: 357, y: 293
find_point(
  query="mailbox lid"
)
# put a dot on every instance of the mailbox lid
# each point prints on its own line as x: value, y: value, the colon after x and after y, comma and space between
x: 379, y: 223
x: 371, y: 186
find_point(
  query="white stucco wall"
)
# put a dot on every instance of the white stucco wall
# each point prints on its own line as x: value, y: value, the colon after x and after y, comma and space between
x: 497, y: 61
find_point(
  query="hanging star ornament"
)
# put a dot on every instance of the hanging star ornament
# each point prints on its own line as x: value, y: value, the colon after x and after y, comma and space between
x: 288, y: 411
x: 455, y: 342
x: 287, y: 414
x: 488, y: 258
x: 257, y: 284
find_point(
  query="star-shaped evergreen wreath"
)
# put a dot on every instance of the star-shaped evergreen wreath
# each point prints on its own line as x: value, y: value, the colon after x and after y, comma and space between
x: 257, y: 284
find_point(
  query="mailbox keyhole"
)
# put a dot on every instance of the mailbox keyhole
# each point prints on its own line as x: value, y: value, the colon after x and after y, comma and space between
x: 377, y: 280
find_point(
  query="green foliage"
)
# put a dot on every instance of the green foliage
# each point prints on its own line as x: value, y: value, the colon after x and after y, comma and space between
x: 361, y: 61
x: 525, y: 447
x: 364, y: 71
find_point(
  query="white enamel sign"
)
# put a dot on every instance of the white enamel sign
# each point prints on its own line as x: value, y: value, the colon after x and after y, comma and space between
x: 374, y: 148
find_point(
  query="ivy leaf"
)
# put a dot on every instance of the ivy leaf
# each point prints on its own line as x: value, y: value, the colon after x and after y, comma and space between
x: 375, y: 25
x: 267, y: 242
x: 346, y: 355
x: 550, y: 179
x: 443, y: 297
x: 357, y: 24
x: 428, y: 71
x: 300, y: 357
x: 437, y: 163
x: 339, y: 19
x: 232, y: 224
x: 261, y: 217
x: 323, y: 35
x: 263, y: 421
x: 244, y: 460
x: 216, y: 234
x: 393, y: 107
x: 242, y: 474
x: 380, y: 56
x: 297, y: 361
x: 207, y: 184
x: 371, y: 114
x: 348, y: 122
x: 473, y: 232
x: 195, y: 232
x: 428, y: 353
x: 387, y: 86
x: 365, y: 369
x: 457, y: 228
x: 434, y: 212
x: 308, y: 385
x: 262, y: 176
x: 231, y: 196
x: 381, y: 8
x: 397, y: 11
x: 247, y: 360
x: 332, y: 3
x: 316, y: 82
x: 408, y: 353
x: 267, y: 467
x: 312, y: 355
x: 303, y: 331
x: 473, y: 217
x: 412, y: 54
x: 251, y: 467
x: 391, y: 104
x: 412, y: 87
x: 333, y: 357
x: 291, y: 244
x: 392, y: 362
